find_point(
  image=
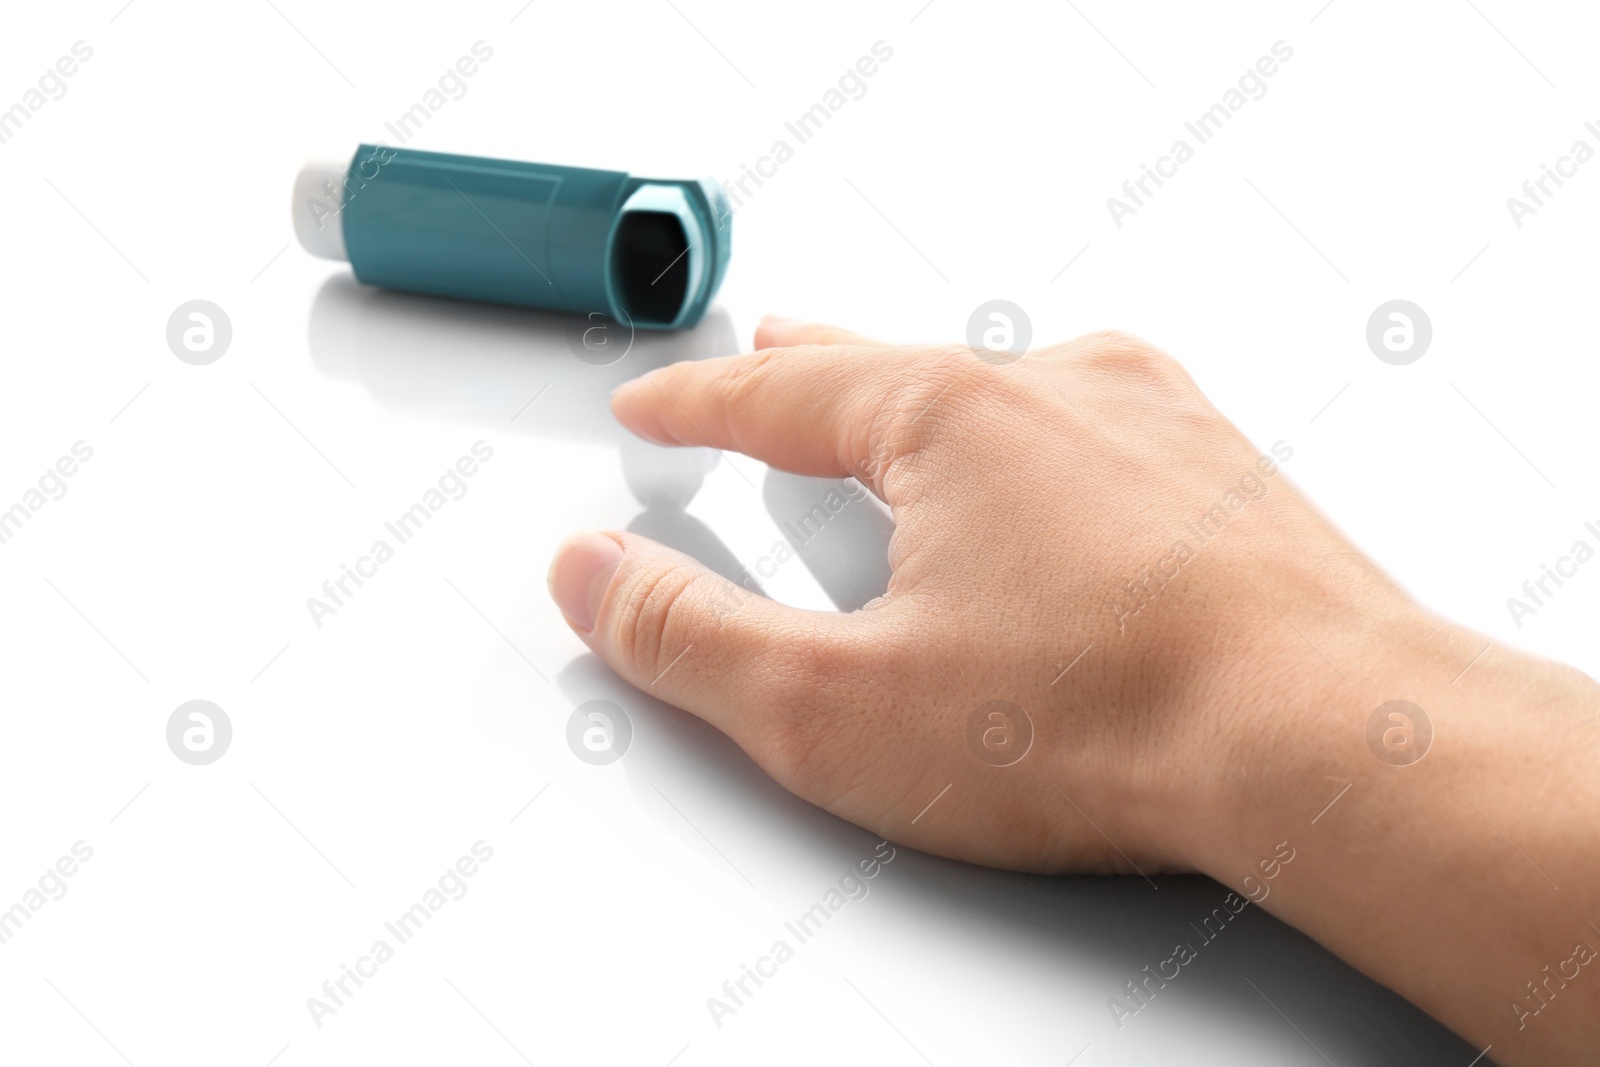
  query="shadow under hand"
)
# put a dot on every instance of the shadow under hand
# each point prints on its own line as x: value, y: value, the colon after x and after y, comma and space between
x: 1056, y: 949
x: 503, y: 368
x: 839, y: 530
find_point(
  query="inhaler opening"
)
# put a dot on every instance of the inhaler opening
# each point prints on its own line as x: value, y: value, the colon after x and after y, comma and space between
x: 657, y: 256
x: 652, y: 266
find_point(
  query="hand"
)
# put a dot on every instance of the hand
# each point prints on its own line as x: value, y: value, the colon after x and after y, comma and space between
x: 1118, y: 639
x: 1080, y: 535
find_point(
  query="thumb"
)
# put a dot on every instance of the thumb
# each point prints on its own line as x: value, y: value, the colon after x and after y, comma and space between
x: 679, y: 631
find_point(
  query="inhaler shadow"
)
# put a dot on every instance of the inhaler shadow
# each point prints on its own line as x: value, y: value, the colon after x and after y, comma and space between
x: 503, y: 367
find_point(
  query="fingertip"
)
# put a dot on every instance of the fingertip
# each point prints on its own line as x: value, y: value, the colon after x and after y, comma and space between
x: 775, y: 331
x: 637, y: 406
x: 580, y: 573
x: 635, y: 386
x: 780, y: 331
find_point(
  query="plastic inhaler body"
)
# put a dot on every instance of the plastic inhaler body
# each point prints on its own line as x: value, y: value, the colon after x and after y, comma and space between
x: 644, y: 252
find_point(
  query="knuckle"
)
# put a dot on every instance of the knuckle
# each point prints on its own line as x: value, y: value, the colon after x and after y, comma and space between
x: 1129, y: 358
x: 950, y: 368
x: 744, y: 377
x: 924, y: 404
x: 645, y: 633
x: 917, y: 402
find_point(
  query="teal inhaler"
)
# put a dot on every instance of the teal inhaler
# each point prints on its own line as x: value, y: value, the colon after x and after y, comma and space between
x: 646, y: 252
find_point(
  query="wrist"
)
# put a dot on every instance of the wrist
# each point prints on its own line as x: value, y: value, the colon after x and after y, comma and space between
x: 1467, y: 808
x: 1308, y: 710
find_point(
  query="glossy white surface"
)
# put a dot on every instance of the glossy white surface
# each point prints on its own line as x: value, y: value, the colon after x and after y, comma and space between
x: 429, y: 712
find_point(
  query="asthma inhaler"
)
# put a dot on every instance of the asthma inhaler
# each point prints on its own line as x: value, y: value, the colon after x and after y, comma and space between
x: 644, y: 252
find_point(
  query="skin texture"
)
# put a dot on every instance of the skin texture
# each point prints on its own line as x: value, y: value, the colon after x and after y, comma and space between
x: 1185, y: 653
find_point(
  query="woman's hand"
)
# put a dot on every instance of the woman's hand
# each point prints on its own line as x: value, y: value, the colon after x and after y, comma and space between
x: 1118, y: 639
x: 1092, y: 619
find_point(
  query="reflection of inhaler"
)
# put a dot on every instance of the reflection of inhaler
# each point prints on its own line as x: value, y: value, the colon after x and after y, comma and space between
x: 646, y: 253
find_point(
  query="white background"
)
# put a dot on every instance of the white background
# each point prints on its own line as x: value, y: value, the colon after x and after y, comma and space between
x: 370, y: 753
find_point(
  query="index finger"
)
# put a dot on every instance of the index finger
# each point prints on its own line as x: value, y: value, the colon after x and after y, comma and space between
x: 822, y: 410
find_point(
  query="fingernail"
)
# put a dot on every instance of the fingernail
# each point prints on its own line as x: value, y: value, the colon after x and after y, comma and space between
x: 778, y: 320
x: 580, y: 575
